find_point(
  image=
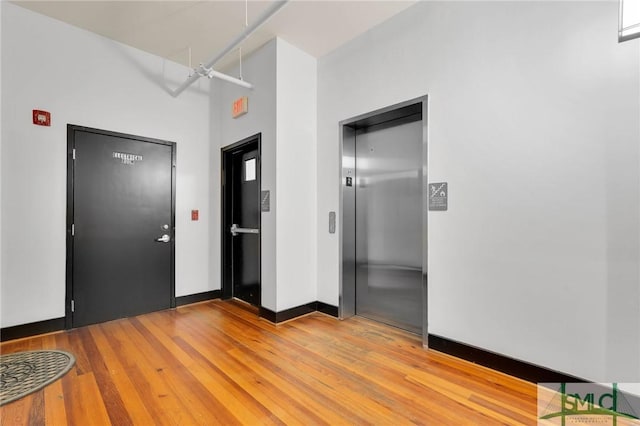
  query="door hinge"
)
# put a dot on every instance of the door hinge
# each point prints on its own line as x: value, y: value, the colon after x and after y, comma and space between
x: 73, y: 153
x: 73, y: 306
x: 73, y: 229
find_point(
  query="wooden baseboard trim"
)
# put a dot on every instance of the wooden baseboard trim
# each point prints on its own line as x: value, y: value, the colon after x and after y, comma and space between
x: 31, y: 329
x: 511, y: 366
x: 198, y: 297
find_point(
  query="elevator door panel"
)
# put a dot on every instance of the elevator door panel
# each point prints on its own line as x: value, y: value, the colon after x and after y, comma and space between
x: 389, y: 224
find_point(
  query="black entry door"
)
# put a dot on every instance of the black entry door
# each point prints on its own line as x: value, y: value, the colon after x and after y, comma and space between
x: 122, y: 204
x: 242, y: 221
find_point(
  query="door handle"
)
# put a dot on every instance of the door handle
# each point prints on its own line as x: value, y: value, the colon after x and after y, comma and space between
x: 164, y: 239
x: 235, y: 230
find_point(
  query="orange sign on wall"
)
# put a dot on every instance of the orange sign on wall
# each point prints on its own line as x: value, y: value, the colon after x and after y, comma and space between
x: 240, y: 107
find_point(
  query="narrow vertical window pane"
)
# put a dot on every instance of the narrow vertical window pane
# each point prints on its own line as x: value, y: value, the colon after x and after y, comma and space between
x: 629, y: 19
x: 250, y: 169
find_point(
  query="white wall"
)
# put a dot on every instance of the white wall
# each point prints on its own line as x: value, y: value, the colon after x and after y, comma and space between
x: 1, y: 97
x: 260, y: 70
x: 534, y: 121
x: 296, y: 176
x: 84, y: 79
x: 283, y: 108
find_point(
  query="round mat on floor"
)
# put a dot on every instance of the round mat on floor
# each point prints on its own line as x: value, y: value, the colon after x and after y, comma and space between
x: 24, y: 372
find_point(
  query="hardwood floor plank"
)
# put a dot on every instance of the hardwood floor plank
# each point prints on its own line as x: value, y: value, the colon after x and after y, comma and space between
x: 122, y: 384
x: 430, y: 363
x: 217, y: 363
x: 36, y: 411
x: 233, y: 394
x: 16, y: 413
x: 282, y: 405
x: 213, y: 382
x: 54, y: 409
x: 290, y: 360
x: 203, y: 404
x: 112, y: 399
x: 84, y: 404
x: 150, y: 376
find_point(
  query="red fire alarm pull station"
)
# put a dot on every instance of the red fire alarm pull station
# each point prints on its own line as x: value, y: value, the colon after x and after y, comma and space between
x: 194, y: 214
x: 41, y: 118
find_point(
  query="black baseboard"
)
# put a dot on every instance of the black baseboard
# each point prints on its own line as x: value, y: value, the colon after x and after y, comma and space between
x: 513, y: 367
x: 267, y: 314
x: 31, y: 329
x: 277, y: 317
x: 298, y: 311
x: 198, y: 297
x: 325, y: 308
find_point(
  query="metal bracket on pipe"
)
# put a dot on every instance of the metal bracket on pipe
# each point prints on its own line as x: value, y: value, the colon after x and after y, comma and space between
x: 203, y: 71
x: 275, y: 7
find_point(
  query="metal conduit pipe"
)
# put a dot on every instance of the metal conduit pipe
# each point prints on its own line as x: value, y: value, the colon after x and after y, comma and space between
x: 225, y: 77
x: 272, y: 10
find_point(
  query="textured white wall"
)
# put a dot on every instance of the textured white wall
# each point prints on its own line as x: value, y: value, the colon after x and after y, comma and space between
x: 85, y: 79
x: 282, y: 107
x: 259, y: 69
x: 534, y: 122
x: 296, y: 175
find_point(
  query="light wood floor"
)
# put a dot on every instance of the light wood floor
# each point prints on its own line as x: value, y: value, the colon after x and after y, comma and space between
x: 217, y: 363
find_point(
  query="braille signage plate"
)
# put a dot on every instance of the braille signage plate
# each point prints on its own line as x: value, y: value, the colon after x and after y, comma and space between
x: 264, y: 201
x: 438, y: 196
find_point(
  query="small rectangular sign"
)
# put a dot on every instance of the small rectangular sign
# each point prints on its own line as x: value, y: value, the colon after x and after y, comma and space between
x: 240, y: 107
x: 195, y: 214
x: 127, y: 158
x: 264, y: 201
x: 332, y: 222
x: 438, y: 196
x: 41, y: 118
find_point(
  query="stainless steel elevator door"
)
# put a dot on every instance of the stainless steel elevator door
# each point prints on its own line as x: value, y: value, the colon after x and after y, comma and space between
x: 389, y: 224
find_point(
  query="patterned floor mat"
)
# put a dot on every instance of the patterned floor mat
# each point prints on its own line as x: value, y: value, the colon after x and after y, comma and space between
x: 24, y: 372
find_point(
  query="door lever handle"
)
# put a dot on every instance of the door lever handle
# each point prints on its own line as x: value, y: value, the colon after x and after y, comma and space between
x: 164, y: 239
x: 235, y: 230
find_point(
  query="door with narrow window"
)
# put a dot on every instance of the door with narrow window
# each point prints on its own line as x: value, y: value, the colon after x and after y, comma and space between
x: 120, y: 246
x: 241, y: 224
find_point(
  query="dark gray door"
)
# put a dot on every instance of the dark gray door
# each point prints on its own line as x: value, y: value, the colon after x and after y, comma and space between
x: 242, y: 221
x: 123, y: 229
x: 389, y: 223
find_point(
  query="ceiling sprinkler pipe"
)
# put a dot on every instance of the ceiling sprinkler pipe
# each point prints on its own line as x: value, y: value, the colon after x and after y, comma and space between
x: 275, y: 7
x: 225, y: 77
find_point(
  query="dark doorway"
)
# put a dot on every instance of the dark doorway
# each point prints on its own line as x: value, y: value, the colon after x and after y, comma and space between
x: 241, y: 221
x: 120, y: 225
